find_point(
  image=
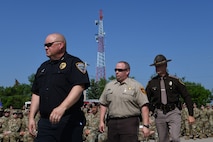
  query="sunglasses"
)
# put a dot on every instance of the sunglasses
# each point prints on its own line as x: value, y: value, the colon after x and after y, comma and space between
x: 50, y: 43
x: 120, y: 70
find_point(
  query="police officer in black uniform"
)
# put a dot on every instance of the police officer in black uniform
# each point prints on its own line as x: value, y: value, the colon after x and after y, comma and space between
x: 164, y: 92
x: 58, y: 94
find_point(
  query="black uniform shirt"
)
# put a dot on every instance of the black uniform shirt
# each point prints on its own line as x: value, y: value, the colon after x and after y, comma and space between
x: 174, y: 90
x: 55, y: 79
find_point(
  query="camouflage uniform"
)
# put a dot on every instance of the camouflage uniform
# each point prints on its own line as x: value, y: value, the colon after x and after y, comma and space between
x: 1, y: 129
x: 210, y: 120
x: 4, y: 120
x: 187, y: 127
x: 153, y: 131
x: 102, y: 137
x: 204, y: 122
x: 14, y: 125
x: 24, y: 133
x: 1, y: 123
x: 195, y: 126
x: 91, y: 129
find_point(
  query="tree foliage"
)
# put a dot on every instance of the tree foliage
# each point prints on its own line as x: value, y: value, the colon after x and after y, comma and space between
x: 16, y: 95
x: 96, y: 88
x: 19, y: 93
x: 199, y: 94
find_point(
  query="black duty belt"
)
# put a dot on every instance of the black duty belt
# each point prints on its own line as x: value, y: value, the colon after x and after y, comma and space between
x: 166, y: 108
x: 117, y: 118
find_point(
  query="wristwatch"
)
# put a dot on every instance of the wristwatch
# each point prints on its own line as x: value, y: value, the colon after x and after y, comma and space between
x: 147, y: 126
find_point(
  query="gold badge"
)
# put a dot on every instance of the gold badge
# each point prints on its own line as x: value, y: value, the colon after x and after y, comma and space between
x: 62, y: 65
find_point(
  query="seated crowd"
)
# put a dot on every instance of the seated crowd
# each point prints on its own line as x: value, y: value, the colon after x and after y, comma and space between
x: 14, y: 124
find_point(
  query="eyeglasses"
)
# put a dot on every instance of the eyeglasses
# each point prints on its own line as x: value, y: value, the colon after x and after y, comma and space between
x: 50, y: 43
x: 120, y: 70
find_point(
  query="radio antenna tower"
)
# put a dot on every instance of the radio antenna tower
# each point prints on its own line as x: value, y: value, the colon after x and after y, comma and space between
x: 100, y: 68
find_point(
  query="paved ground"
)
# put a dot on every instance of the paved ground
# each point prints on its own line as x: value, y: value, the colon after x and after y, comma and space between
x: 191, y: 140
x: 198, y: 140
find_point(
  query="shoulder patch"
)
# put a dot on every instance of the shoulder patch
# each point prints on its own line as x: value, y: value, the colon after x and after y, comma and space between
x: 143, y: 91
x: 81, y: 67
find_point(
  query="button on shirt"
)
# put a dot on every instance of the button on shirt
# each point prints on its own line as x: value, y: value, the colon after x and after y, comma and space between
x: 123, y: 99
x: 54, y: 80
x: 174, y: 90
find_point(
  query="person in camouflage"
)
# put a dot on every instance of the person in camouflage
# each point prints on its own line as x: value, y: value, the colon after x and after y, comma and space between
x: 195, y: 126
x: 4, y: 122
x: 14, y: 125
x: 203, y: 123
x: 209, y: 114
x: 24, y: 133
x: 187, y: 127
x: 91, y: 129
x: 153, y: 131
x: 211, y: 121
x: 1, y: 122
x: 103, y: 136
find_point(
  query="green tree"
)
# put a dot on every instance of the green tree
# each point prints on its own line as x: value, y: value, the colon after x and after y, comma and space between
x: 93, y: 90
x: 111, y: 77
x: 198, y: 93
x: 96, y: 88
x: 16, y: 95
x: 31, y: 79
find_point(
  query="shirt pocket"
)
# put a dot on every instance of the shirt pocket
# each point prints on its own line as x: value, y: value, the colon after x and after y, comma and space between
x: 128, y: 95
x: 109, y: 96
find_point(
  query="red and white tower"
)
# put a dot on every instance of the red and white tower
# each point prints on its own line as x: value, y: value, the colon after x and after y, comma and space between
x: 100, y: 68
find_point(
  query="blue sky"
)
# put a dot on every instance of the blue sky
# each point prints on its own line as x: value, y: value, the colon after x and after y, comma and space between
x: 136, y: 31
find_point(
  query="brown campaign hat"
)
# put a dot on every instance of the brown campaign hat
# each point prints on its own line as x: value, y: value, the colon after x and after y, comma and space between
x: 159, y: 60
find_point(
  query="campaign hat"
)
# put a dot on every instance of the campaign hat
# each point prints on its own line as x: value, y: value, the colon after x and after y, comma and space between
x: 159, y: 60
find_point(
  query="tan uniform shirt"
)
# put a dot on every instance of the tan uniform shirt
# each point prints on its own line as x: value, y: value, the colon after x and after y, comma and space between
x: 123, y: 99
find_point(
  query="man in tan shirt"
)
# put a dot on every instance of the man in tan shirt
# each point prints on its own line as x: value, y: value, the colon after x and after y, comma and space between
x: 125, y: 101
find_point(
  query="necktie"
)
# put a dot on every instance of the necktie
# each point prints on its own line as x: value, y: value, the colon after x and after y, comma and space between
x: 163, y: 91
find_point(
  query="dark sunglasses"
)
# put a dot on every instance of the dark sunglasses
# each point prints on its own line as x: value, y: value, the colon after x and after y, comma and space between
x: 50, y: 43
x: 120, y: 70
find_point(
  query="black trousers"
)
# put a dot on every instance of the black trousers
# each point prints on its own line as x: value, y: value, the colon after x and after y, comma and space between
x: 123, y: 130
x: 67, y: 130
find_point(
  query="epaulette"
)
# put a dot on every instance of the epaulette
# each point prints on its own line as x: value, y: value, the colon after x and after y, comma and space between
x: 172, y: 76
x: 180, y: 80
